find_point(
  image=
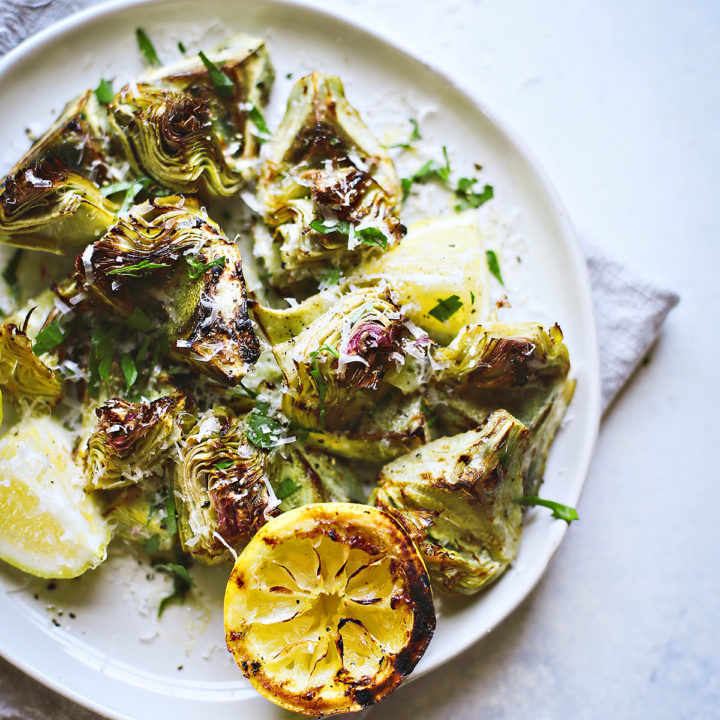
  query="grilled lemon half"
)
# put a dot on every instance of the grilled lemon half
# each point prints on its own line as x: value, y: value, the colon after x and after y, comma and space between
x: 328, y: 608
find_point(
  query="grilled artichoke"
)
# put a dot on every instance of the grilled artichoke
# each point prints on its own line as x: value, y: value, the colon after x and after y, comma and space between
x: 348, y: 348
x: 456, y: 496
x: 223, y: 493
x: 51, y: 200
x: 177, y: 127
x: 133, y: 441
x: 328, y: 188
x: 170, y: 257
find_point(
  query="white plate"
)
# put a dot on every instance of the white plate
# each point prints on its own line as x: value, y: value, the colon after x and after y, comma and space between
x: 99, y: 658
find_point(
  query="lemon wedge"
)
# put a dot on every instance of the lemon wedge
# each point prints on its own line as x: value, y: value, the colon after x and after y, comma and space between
x: 48, y: 525
x: 328, y: 608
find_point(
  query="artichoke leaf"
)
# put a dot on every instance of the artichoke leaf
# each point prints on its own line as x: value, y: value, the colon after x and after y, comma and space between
x: 52, y: 200
x: 324, y: 166
x: 133, y: 441
x: 456, y: 496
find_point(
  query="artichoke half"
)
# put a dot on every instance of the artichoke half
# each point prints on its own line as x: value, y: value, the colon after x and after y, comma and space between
x: 456, y: 496
x: 328, y: 188
x: 133, y: 441
x: 51, y: 200
x: 349, y: 348
x: 223, y: 494
x: 176, y: 127
x: 168, y: 258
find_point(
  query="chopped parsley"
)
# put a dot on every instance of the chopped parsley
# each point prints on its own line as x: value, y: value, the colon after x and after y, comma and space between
x: 146, y: 47
x: 368, y: 235
x: 559, y: 511
x: 181, y: 47
x: 223, y: 84
x: 104, y: 91
x: 341, y: 227
x: 49, y: 337
x: 182, y: 583
x: 431, y: 169
x: 319, y: 380
x: 243, y: 391
x: 468, y: 198
x: 472, y: 297
x: 139, y: 321
x: 263, y: 132
x: 446, y: 308
x: 264, y: 430
x: 493, y: 265
x: 330, y: 276
x: 224, y: 464
x: 129, y: 370
x: 102, y: 353
x: 196, y: 268
x: 286, y: 488
x: 414, y: 135
x: 137, y: 270
x: 9, y: 274
x: 151, y: 545
x: 131, y: 188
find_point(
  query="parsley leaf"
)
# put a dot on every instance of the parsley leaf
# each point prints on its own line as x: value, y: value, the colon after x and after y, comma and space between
x: 104, y: 92
x: 181, y: 47
x: 468, y: 198
x: 494, y: 265
x: 127, y: 365
x: 182, y: 582
x: 151, y: 545
x: 146, y: 47
x: 137, y: 270
x: 224, y: 464
x: 243, y: 391
x: 286, y: 488
x: 102, y: 352
x: 170, y: 512
x: 49, y: 337
x: 368, y: 235
x: 264, y: 430
x: 446, y: 308
x: 472, y: 297
x: 341, y: 227
x: 223, y: 84
x: 414, y: 135
x: 9, y: 274
x: 139, y: 321
x: 559, y: 511
x: 431, y: 169
x: 132, y: 189
x: 196, y: 268
x: 330, y: 276
x: 260, y: 124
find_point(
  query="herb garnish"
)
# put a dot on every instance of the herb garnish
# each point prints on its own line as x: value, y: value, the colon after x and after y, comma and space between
x: 224, y: 464
x: 151, y: 545
x: 368, y: 235
x: 196, y: 268
x: 132, y: 189
x: 319, y: 381
x: 559, y: 511
x: 9, y: 274
x: 129, y: 370
x: 137, y: 270
x: 170, y: 513
x: 414, y: 135
x: 146, y: 47
x: 286, y: 488
x: 223, y: 84
x: 181, y: 47
x: 431, y: 169
x: 494, y: 265
x: 259, y: 122
x: 330, y: 276
x: 468, y: 198
x: 182, y: 582
x: 49, y: 337
x: 139, y: 321
x: 104, y: 92
x: 264, y: 430
x: 446, y: 308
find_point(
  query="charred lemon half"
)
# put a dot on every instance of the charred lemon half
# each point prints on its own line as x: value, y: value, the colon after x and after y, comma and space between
x: 328, y: 608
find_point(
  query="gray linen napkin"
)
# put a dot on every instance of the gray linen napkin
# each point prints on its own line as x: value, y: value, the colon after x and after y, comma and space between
x: 629, y: 311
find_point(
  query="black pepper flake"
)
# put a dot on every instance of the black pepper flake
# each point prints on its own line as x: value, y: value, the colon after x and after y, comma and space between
x: 180, y: 667
x: 55, y: 622
x: 36, y: 596
x: 51, y: 585
x: 72, y: 615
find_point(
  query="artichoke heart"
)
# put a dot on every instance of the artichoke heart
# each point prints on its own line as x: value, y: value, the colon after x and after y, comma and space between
x: 169, y: 258
x: 133, y: 441
x: 223, y: 494
x: 456, y: 496
x: 175, y: 126
x: 51, y: 200
x: 348, y: 348
x: 22, y: 372
x: 324, y: 165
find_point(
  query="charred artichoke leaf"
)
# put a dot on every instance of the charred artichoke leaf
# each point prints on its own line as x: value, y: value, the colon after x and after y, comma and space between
x: 304, y: 476
x: 377, y: 430
x: 51, y: 200
x: 456, y: 497
x: 170, y: 257
x: 134, y: 441
x: 175, y: 127
x: 223, y: 494
x: 497, y: 356
x: 349, y: 348
x: 324, y: 164
x: 437, y: 259
x: 22, y: 372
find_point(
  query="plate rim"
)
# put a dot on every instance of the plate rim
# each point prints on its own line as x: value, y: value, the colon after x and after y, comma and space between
x: 58, y: 29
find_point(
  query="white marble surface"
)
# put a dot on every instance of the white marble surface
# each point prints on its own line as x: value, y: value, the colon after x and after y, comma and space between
x: 620, y: 102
